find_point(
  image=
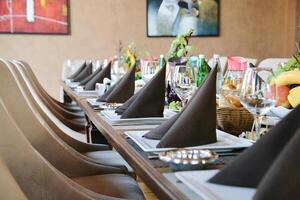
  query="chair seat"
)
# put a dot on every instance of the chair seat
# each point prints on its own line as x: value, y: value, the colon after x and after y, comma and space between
x: 114, y: 185
x: 109, y: 157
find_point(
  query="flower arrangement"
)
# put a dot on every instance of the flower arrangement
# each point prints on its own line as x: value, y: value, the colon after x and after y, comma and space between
x: 180, y: 45
x: 129, y: 55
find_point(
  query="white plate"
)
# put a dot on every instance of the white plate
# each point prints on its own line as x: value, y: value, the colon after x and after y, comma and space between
x: 280, y: 111
x: 94, y: 102
x: 225, y: 142
x: 115, y: 119
x: 197, y: 181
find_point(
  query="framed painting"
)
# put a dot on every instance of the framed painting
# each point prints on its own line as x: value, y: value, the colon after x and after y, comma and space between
x: 167, y: 18
x: 34, y: 16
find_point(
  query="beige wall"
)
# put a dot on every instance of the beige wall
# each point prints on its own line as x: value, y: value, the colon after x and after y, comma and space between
x: 250, y: 28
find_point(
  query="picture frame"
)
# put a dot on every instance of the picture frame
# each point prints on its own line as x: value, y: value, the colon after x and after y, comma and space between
x: 35, y: 17
x: 168, y: 18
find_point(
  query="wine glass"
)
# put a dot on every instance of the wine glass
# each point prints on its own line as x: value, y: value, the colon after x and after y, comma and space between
x: 149, y: 69
x: 184, y: 82
x: 257, y: 96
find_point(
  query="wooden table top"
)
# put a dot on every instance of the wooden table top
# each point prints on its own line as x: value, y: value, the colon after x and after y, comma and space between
x: 142, y: 166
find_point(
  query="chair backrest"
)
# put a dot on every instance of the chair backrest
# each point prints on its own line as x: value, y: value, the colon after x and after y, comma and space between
x: 251, y: 60
x: 39, y: 134
x: 36, y: 177
x: 270, y: 63
x: 64, y: 132
x: 223, y: 61
x: 51, y: 103
x: 9, y: 187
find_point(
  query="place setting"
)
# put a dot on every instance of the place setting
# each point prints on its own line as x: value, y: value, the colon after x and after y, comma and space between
x: 84, y: 81
x: 194, y: 126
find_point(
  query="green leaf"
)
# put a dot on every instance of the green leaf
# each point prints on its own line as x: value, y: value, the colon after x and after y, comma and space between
x: 180, y: 53
x: 189, y: 48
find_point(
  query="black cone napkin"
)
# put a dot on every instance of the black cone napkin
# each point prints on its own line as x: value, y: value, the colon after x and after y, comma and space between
x: 98, y: 78
x: 196, y: 124
x: 282, y: 181
x: 122, y: 90
x: 149, y: 101
x: 125, y: 105
x: 248, y: 169
x: 158, y: 132
x: 87, y: 79
x: 78, y: 71
x: 88, y: 70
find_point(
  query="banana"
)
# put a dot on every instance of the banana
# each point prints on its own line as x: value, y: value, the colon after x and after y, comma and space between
x: 288, y: 78
x: 294, y: 96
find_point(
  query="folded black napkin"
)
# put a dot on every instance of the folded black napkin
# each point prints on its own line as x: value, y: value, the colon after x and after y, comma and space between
x: 250, y: 167
x: 87, y: 79
x: 196, y: 124
x: 149, y: 101
x: 282, y: 181
x: 125, y: 105
x: 88, y: 70
x: 98, y: 78
x: 78, y: 71
x: 122, y: 90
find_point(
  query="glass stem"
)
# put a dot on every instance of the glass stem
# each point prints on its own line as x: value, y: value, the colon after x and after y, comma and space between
x: 184, y: 102
x: 257, y: 126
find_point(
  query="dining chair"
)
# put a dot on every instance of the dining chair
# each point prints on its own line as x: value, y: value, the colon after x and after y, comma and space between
x: 223, y: 62
x: 72, y: 118
x: 94, y: 152
x: 270, y: 63
x: 9, y: 187
x: 251, y: 60
x: 38, y: 132
x: 39, y: 179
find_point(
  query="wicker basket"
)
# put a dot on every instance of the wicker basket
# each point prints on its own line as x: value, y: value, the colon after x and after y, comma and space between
x: 234, y: 120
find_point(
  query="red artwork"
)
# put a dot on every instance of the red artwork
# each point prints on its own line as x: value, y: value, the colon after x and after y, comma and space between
x: 34, y: 16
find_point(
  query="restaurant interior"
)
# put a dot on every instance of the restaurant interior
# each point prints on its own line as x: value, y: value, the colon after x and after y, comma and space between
x: 150, y: 99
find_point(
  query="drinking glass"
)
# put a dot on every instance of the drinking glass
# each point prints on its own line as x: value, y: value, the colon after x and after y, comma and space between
x: 257, y: 96
x: 149, y: 69
x: 184, y: 82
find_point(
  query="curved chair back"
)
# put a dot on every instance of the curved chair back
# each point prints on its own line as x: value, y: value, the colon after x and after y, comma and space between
x: 64, y: 132
x: 9, y: 187
x: 270, y: 63
x: 223, y: 61
x: 53, y: 105
x: 35, y: 176
x: 39, y: 134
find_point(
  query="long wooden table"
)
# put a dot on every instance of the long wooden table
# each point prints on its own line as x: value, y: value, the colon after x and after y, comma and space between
x: 152, y: 176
